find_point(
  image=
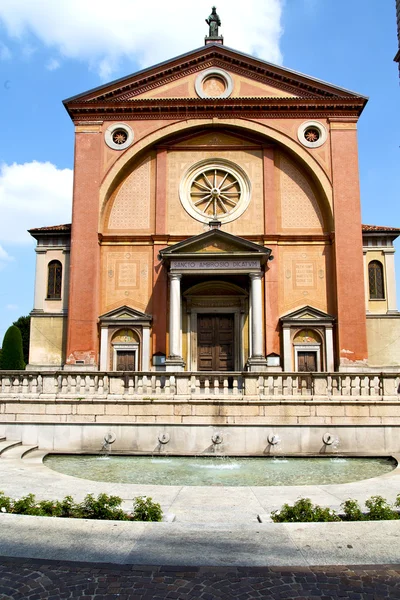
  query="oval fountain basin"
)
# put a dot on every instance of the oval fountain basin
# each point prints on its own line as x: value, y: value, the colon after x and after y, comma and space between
x: 220, y: 470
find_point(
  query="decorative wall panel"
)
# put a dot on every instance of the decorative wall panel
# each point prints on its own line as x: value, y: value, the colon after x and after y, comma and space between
x: 299, y: 206
x: 131, y: 210
x: 126, y: 277
x: 305, y: 276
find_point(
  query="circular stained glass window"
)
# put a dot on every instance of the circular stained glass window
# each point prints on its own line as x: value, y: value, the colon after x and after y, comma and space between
x: 119, y: 136
x: 215, y: 190
x: 312, y: 134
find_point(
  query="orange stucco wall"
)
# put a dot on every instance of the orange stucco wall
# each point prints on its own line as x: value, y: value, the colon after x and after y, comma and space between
x: 83, y: 310
x: 351, y: 330
x: 142, y: 213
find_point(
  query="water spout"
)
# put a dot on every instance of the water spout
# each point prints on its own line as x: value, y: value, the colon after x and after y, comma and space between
x: 163, y: 438
x: 328, y: 439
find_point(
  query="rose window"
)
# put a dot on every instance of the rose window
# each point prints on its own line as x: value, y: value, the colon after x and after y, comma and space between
x: 215, y: 189
x: 312, y: 134
x: 119, y: 136
x: 215, y: 192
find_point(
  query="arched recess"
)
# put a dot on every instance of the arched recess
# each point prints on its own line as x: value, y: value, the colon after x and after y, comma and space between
x: 124, y: 164
x: 125, y: 350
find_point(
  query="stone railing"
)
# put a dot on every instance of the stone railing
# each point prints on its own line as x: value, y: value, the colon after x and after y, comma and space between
x: 189, y: 385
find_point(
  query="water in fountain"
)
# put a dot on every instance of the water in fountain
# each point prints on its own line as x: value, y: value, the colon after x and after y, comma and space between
x: 335, y: 447
x: 105, y: 451
x: 161, y: 448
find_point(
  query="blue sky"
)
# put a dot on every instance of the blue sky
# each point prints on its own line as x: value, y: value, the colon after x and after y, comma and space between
x: 52, y: 50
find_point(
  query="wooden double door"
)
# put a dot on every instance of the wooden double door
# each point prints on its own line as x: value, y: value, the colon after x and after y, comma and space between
x: 215, y: 342
x: 126, y: 360
x: 307, y: 361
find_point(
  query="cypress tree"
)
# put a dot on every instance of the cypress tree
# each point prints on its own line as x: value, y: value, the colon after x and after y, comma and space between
x: 24, y: 325
x: 12, y: 356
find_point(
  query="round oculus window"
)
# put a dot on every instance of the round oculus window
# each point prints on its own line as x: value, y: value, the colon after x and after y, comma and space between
x: 214, y: 83
x: 215, y: 190
x: 312, y: 134
x: 119, y: 136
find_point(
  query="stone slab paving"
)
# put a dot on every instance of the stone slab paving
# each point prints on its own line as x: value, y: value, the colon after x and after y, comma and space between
x: 191, y: 544
x: 22, y: 579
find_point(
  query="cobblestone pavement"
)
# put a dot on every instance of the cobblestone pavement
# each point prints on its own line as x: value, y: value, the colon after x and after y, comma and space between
x: 53, y: 580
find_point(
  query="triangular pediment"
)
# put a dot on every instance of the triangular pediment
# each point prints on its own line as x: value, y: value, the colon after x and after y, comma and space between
x: 215, y: 242
x: 307, y: 313
x: 174, y: 80
x: 125, y: 313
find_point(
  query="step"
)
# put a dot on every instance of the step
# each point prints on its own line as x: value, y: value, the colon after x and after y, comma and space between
x: 7, y: 444
x: 34, y: 456
x: 18, y: 452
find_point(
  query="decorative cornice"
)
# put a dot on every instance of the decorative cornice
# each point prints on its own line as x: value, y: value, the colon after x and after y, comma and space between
x: 292, y: 82
x: 195, y: 108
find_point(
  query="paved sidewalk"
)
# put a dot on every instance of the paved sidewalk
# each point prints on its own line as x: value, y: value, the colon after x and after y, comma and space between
x: 191, y: 544
x: 32, y: 580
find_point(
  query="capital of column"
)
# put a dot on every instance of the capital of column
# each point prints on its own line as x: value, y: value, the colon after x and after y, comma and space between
x: 255, y: 276
x: 175, y: 276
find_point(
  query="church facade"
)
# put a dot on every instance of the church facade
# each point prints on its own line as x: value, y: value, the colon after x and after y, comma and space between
x: 216, y: 228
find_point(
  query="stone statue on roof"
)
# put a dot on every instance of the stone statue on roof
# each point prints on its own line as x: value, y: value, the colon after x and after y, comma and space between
x: 214, y: 22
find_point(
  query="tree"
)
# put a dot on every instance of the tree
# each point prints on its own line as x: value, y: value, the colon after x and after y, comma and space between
x: 12, y: 356
x: 24, y: 325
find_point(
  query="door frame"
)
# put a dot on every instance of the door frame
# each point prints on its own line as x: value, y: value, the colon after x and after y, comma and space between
x: 126, y: 348
x: 307, y: 348
x: 226, y: 314
x: 192, y: 333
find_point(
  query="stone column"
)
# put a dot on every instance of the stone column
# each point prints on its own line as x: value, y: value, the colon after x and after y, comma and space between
x: 287, y: 350
x: 146, y: 349
x: 390, y: 280
x: 104, y: 349
x: 257, y: 361
x: 174, y: 361
x: 330, y: 364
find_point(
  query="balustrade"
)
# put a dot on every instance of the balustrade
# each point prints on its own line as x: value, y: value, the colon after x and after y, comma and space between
x: 181, y: 384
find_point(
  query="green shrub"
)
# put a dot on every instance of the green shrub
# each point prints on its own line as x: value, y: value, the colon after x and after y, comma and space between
x: 352, y: 511
x: 144, y: 509
x: 380, y: 509
x: 12, y: 357
x: 25, y: 505
x: 303, y: 511
x: 5, y: 503
x: 66, y: 508
x: 103, y: 507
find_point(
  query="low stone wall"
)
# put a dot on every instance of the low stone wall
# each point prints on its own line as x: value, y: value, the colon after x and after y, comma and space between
x: 74, y: 412
x: 198, y: 439
x: 202, y: 412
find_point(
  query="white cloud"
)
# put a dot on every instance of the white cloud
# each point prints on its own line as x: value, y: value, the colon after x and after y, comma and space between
x: 53, y: 64
x: 102, y: 34
x: 4, y: 258
x: 5, y: 53
x: 12, y: 307
x: 32, y: 195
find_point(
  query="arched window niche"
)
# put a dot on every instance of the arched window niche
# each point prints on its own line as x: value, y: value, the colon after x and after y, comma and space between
x: 307, y: 345
x: 125, y: 350
x: 54, y: 280
x: 375, y: 280
x: 308, y: 340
